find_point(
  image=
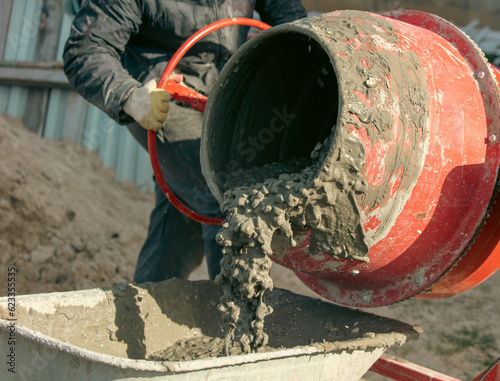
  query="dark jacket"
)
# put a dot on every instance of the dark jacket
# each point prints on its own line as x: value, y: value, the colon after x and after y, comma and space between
x: 116, y: 45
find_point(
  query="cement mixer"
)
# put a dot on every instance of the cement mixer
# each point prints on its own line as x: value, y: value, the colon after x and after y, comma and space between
x: 422, y: 100
x: 415, y: 114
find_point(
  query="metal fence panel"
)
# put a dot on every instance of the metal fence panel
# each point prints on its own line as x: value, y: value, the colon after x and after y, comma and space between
x: 67, y: 115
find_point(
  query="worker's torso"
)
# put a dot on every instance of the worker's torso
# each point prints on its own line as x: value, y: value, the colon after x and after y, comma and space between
x: 166, y: 24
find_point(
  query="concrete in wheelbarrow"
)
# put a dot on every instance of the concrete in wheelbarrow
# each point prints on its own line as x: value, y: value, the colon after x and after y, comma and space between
x: 106, y: 334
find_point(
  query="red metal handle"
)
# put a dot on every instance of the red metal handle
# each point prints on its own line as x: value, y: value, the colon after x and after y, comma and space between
x: 196, y: 100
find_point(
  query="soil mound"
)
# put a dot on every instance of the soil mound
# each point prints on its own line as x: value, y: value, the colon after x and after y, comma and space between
x: 65, y: 223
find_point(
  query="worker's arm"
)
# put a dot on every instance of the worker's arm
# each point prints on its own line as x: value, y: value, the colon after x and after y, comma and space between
x: 275, y: 12
x: 93, y: 65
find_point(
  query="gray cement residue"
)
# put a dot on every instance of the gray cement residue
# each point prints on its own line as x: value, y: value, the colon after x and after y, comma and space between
x: 394, y: 110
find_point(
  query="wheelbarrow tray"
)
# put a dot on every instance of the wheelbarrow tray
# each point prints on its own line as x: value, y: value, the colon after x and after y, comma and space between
x: 107, y: 333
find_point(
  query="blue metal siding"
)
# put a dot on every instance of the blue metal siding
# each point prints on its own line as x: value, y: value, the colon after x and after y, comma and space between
x: 68, y: 116
x: 21, y: 44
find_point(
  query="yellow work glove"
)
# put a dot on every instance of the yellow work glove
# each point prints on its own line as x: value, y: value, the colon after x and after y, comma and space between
x: 149, y: 106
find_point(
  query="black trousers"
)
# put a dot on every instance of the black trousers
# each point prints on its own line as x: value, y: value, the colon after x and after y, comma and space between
x: 175, y: 244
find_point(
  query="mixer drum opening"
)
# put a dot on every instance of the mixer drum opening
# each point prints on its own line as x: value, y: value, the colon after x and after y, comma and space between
x: 274, y: 101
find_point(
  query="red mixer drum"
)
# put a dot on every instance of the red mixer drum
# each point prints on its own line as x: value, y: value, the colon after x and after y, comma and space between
x: 424, y: 102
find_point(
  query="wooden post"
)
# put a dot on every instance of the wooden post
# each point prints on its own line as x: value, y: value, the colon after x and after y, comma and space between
x: 46, y: 48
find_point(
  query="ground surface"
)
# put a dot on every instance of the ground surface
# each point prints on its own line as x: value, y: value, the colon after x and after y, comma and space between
x: 66, y: 225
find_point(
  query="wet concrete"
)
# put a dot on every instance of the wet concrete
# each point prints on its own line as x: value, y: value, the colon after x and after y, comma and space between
x: 319, y: 197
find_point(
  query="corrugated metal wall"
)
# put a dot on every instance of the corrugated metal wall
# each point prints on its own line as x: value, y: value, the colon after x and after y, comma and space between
x: 20, y: 46
x: 67, y: 116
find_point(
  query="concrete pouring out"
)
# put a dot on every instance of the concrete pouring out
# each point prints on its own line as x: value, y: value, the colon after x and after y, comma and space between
x: 378, y: 79
x: 301, y: 194
x: 319, y: 197
x: 379, y: 134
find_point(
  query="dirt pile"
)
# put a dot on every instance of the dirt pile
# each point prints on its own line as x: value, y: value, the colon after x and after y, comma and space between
x: 65, y: 223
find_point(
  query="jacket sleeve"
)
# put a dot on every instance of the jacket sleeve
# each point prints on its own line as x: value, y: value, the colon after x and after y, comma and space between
x: 275, y: 12
x: 94, y: 50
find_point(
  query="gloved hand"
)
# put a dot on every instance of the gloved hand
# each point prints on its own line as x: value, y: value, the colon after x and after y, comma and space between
x: 149, y: 106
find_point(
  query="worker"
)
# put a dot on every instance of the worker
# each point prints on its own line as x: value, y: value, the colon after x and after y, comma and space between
x: 115, y: 53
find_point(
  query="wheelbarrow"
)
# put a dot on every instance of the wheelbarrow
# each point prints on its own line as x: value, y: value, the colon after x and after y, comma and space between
x: 107, y: 334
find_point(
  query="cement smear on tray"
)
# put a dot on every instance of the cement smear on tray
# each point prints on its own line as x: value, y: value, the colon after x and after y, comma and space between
x: 203, y: 347
x: 320, y: 197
